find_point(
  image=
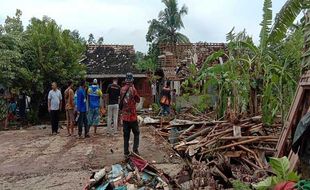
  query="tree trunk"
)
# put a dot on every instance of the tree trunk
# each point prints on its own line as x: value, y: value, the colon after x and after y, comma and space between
x: 253, y: 101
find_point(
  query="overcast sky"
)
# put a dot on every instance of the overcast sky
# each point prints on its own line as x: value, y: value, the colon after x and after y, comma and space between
x: 125, y: 21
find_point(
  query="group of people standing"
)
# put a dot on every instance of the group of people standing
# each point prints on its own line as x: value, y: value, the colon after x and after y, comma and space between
x: 13, y: 107
x: 84, y: 107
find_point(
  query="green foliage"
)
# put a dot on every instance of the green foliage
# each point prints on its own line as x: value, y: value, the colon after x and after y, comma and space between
x: 281, y: 167
x: 266, y: 23
x: 91, y: 39
x: 32, y: 117
x: 231, y: 79
x: 165, y: 28
x: 238, y: 185
x: 13, y: 25
x: 285, y: 18
x: 203, y: 103
x: 139, y: 56
x: 190, y: 85
x: 100, y: 41
x: 306, y: 31
x: 156, y: 108
x: 146, y: 64
x: 10, y: 52
x: 30, y: 60
x: 263, y: 77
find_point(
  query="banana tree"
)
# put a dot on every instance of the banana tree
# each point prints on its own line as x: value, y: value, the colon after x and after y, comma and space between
x: 231, y: 78
x: 268, y: 69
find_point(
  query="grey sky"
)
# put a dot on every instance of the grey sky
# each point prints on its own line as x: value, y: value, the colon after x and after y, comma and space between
x: 125, y: 21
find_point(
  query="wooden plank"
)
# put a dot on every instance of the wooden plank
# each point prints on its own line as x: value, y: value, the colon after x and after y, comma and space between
x: 237, y: 131
x: 199, y: 133
x: 289, y: 121
x: 234, y: 154
x: 249, y: 137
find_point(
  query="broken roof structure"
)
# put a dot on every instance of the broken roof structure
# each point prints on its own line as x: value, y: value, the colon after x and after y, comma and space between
x: 175, y: 59
x: 106, y: 61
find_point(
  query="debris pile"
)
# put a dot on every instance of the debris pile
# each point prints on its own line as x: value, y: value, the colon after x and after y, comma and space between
x: 221, y: 151
x: 136, y: 173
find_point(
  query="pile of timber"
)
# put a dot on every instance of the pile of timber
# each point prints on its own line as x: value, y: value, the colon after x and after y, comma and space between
x: 223, y: 151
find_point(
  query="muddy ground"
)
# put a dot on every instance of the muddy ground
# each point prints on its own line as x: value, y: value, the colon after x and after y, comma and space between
x: 33, y: 159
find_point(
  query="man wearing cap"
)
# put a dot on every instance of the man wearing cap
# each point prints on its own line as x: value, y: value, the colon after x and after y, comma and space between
x: 94, y: 95
x: 129, y: 99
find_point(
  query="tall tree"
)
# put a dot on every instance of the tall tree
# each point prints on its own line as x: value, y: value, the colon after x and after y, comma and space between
x: 100, y: 41
x: 13, y: 25
x: 10, y: 48
x: 166, y: 28
x: 50, y: 54
x: 91, y: 39
x: 30, y: 60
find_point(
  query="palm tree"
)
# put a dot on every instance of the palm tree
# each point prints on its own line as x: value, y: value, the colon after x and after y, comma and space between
x: 165, y: 28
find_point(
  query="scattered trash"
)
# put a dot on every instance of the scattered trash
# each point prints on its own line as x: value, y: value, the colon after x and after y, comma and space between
x: 136, y: 173
x: 149, y: 120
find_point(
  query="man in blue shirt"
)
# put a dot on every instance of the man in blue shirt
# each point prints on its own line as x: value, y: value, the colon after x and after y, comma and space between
x: 94, y: 95
x: 81, y: 109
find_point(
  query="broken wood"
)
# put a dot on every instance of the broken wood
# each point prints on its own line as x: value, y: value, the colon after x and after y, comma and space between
x: 237, y: 131
x: 198, y: 134
x: 233, y: 144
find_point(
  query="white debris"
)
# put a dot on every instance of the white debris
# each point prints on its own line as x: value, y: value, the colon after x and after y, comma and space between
x: 149, y: 120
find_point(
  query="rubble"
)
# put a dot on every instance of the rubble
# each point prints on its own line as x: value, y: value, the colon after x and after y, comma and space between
x: 135, y: 173
x: 219, y: 152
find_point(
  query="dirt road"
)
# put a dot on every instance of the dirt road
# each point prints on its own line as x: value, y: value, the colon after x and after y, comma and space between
x: 33, y: 159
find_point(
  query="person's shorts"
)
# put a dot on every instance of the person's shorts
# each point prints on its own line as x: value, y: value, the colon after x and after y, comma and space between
x: 93, y: 117
x: 11, y: 116
x: 70, y: 115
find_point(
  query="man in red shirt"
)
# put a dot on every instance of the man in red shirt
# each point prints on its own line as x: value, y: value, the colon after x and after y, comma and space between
x: 129, y: 99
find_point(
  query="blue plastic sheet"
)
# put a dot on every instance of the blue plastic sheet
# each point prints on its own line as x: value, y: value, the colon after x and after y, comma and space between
x: 103, y: 187
x: 117, y: 170
x: 146, y: 176
x: 121, y: 188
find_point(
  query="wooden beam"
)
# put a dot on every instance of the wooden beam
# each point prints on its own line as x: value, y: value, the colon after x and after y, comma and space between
x: 293, y: 160
x: 232, y: 145
x: 289, y: 121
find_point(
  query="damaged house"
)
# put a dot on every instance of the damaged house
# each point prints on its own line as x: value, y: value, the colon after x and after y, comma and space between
x: 175, y: 60
x: 105, y: 62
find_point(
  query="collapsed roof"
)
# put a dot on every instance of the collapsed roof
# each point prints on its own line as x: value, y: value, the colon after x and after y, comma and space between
x: 110, y: 60
x: 175, y: 59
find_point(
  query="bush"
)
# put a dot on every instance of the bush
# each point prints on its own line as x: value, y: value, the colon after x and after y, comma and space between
x: 32, y: 117
x: 156, y: 108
